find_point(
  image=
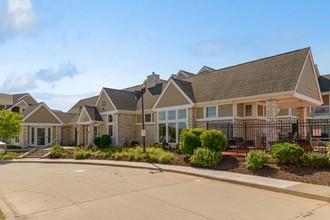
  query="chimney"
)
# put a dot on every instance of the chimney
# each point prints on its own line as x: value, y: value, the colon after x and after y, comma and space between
x: 152, y: 80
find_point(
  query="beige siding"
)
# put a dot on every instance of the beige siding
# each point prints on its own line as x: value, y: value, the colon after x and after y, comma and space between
x: 240, y: 110
x: 199, y: 113
x: 67, y: 135
x: 172, y: 97
x: 139, y: 118
x: 325, y: 99
x: 108, y: 106
x: 307, y: 84
x: 42, y: 115
x: 283, y: 112
x: 225, y: 110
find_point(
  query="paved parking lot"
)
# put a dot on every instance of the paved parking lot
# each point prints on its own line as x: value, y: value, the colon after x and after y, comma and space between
x: 72, y: 191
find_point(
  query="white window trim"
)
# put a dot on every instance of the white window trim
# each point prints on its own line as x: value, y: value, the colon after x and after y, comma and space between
x: 216, y: 112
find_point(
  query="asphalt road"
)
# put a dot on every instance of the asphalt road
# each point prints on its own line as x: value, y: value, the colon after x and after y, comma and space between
x: 71, y: 191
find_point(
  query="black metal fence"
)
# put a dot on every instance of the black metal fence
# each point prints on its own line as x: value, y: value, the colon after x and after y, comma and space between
x: 243, y: 136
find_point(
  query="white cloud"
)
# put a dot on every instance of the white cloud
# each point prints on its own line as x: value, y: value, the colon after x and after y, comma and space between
x: 67, y: 69
x: 208, y: 47
x: 18, y: 16
x: 18, y: 83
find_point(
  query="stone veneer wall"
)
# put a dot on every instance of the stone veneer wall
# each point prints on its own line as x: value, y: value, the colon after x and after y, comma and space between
x: 191, y: 117
x: 150, y: 133
x: 126, y: 128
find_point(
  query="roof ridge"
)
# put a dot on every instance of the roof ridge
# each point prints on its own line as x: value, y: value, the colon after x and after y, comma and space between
x: 252, y: 61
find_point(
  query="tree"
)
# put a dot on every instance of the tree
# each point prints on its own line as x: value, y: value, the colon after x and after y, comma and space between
x: 10, y: 124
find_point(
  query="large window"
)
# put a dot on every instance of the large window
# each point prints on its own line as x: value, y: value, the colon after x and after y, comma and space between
x: 161, y: 116
x: 248, y: 110
x: 147, y: 118
x: 170, y: 124
x: 211, y: 112
x: 110, y: 118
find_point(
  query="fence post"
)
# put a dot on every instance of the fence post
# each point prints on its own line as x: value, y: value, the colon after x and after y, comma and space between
x: 245, y: 137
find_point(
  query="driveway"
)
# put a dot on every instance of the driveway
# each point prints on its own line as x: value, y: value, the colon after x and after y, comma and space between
x: 72, y: 191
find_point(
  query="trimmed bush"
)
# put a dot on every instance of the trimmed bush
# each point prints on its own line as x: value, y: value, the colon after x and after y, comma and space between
x: 256, y: 159
x: 190, y: 140
x: 214, y: 140
x: 134, y: 143
x: 316, y: 160
x: 82, y: 153
x: 205, y: 157
x: 286, y: 153
x: 97, y: 141
x: 105, y: 140
x: 57, y: 151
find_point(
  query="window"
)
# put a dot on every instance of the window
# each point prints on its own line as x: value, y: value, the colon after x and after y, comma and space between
x: 171, y: 132
x: 181, y: 125
x: 147, y: 118
x: 211, y: 112
x: 260, y: 110
x: 110, y: 119
x: 171, y: 115
x: 182, y: 114
x: 161, y: 116
x: 110, y: 130
x: 95, y: 131
x: 248, y: 110
x: 162, y: 132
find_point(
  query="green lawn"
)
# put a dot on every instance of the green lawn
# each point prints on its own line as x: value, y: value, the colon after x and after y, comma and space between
x: 10, y: 155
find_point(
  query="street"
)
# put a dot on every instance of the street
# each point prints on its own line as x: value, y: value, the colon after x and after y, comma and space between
x: 72, y: 191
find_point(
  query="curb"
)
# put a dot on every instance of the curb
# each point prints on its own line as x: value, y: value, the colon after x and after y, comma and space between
x: 235, y: 178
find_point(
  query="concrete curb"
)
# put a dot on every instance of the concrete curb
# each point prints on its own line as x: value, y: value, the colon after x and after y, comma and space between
x: 304, y: 190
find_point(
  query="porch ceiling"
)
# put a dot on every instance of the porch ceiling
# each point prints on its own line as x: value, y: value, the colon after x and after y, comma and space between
x: 293, y: 103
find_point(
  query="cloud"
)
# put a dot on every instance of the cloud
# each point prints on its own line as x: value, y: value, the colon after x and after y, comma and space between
x: 18, y: 83
x: 67, y: 69
x: 208, y: 47
x: 18, y: 16
x: 289, y: 36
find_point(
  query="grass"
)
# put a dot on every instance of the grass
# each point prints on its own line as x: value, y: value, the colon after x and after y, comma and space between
x: 2, y: 216
x: 10, y: 155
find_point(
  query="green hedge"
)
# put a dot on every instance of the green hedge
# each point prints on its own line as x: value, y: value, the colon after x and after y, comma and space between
x: 286, y: 153
x: 205, y: 157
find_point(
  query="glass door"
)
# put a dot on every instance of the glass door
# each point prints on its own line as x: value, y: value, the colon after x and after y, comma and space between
x: 41, y: 134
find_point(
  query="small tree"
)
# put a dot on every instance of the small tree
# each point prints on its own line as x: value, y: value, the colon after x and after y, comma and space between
x: 105, y: 140
x: 10, y: 125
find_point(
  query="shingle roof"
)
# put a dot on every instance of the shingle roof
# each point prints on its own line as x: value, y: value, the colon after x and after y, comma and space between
x: 324, y: 82
x: 186, y: 88
x: 123, y: 100
x: 29, y: 109
x: 93, y: 113
x: 274, y: 74
x: 205, y: 69
x: 91, y: 101
x: 65, y: 116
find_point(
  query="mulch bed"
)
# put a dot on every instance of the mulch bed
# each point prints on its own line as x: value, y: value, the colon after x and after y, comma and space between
x: 235, y: 164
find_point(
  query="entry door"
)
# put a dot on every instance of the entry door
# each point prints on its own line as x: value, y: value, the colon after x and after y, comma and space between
x: 41, y: 136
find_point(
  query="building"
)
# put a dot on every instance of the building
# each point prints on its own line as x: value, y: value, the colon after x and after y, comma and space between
x: 267, y: 89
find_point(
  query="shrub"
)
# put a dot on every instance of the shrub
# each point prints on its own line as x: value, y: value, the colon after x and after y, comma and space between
x: 328, y: 149
x: 316, y: 160
x: 57, y: 151
x: 286, y: 153
x: 165, y: 157
x: 190, y: 140
x: 134, y: 143
x: 205, y: 157
x: 214, y: 140
x: 97, y: 141
x: 105, y: 140
x: 82, y: 153
x: 256, y: 159
x: 10, y: 155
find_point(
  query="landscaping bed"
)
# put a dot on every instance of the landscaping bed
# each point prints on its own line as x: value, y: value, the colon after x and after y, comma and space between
x: 236, y: 164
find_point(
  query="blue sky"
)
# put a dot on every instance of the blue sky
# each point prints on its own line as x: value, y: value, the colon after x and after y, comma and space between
x: 61, y: 51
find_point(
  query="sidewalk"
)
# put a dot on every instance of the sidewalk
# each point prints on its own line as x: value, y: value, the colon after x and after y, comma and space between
x: 305, y: 190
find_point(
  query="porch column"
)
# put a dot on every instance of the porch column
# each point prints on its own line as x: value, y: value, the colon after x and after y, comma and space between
x: 58, y: 135
x: 271, y: 110
x: 270, y: 130
x: 115, y: 130
x: 80, y: 138
x: 24, y: 137
x: 90, y: 134
x: 155, y: 117
x: 301, y: 117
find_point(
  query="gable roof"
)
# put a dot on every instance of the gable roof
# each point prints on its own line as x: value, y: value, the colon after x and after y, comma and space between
x: 91, y: 101
x: 150, y: 96
x: 65, y: 116
x: 122, y: 99
x: 32, y: 109
x: 186, y: 88
x: 324, y: 82
x: 205, y: 69
x: 93, y: 113
x: 273, y: 74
